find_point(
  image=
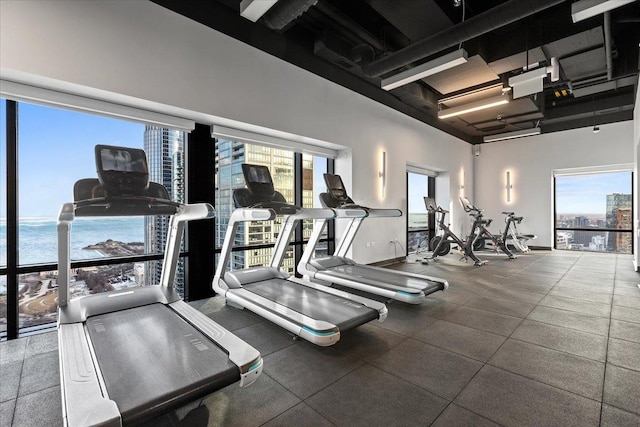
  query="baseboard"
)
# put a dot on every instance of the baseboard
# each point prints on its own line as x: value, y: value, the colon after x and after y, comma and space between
x: 540, y: 248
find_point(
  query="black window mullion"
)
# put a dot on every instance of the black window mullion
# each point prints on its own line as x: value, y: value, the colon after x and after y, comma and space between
x: 555, y: 215
x: 200, y: 176
x: 331, y: 224
x: 12, y: 219
x: 431, y: 217
x: 298, y: 177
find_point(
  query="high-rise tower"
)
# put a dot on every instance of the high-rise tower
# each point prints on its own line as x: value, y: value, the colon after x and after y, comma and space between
x: 165, y: 156
x: 619, y: 217
x: 229, y: 157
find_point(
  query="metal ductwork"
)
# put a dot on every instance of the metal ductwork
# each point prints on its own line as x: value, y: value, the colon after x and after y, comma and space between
x: 483, y: 23
x: 285, y: 12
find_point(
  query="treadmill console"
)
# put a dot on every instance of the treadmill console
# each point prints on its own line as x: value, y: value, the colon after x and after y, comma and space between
x: 338, y: 192
x: 122, y: 170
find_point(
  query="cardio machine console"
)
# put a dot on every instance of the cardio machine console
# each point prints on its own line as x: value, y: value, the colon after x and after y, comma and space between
x: 122, y: 170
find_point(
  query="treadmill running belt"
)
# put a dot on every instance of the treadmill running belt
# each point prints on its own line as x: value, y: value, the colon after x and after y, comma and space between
x: 358, y: 271
x: 343, y: 313
x: 153, y: 360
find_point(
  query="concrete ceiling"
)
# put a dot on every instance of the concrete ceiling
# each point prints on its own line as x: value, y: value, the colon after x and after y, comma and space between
x: 357, y: 43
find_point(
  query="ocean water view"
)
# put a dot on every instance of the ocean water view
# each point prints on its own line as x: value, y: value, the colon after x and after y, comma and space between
x: 38, y: 238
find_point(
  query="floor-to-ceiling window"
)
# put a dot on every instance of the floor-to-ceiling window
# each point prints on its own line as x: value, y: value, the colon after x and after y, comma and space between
x: 594, y: 212
x: 419, y: 222
x: 298, y: 176
x: 50, y: 150
x: 46, y: 149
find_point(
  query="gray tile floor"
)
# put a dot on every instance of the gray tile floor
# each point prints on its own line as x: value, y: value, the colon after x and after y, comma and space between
x: 552, y: 338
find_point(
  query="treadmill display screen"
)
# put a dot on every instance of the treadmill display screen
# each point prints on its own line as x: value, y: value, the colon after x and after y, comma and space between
x: 122, y: 169
x: 259, y: 175
x: 121, y: 160
x: 334, y: 182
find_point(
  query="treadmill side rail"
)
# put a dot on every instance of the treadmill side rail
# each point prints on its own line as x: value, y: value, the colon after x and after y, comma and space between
x: 243, y: 355
x: 79, y: 383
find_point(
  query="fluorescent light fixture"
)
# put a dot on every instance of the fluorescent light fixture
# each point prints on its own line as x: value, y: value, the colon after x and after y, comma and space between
x: 473, y: 106
x: 587, y: 8
x: 254, y: 9
x: 511, y: 135
x: 531, y: 82
x: 435, y: 66
x: 527, y: 83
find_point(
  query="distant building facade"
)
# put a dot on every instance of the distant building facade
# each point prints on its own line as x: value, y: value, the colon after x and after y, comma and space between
x: 618, y: 216
x: 165, y: 156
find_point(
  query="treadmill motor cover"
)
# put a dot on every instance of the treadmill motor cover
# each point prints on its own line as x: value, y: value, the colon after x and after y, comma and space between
x: 149, y: 369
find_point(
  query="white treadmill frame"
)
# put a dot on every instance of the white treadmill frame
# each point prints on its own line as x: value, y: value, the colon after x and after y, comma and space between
x: 377, y: 287
x: 292, y: 321
x: 85, y: 401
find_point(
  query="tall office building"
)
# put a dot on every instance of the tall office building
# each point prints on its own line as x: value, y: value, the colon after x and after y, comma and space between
x: 618, y: 205
x: 230, y: 155
x: 165, y: 155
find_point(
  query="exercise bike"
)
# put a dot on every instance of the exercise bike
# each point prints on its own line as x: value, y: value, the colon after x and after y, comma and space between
x: 511, y: 234
x: 441, y: 243
x: 480, y: 231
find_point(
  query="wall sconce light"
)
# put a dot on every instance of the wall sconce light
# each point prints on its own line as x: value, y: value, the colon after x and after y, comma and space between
x: 509, y: 187
x: 462, y: 183
x: 382, y: 174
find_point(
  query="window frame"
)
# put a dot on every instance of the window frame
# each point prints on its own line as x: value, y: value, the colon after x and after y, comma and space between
x: 607, y: 230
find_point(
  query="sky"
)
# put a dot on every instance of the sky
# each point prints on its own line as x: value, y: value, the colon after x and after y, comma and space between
x: 587, y: 194
x: 417, y: 189
x: 56, y: 148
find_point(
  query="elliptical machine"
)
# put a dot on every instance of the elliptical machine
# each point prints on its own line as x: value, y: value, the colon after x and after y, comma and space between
x: 511, y: 234
x: 441, y: 244
x: 481, y: 233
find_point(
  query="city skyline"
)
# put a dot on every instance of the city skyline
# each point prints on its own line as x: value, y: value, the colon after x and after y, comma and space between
x: 587, y: 193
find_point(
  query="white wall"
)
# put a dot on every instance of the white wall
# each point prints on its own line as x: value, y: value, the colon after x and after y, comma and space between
x: 141, y: 54
x: 532, y: 161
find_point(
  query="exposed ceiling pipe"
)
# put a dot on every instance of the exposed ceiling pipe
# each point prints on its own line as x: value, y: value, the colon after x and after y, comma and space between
x: 285, y: 12
x: 349, y: 25
x: 607, y: 44
x: 497, y: 17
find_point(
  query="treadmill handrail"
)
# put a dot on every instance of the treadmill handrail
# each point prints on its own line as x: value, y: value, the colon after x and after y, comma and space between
x: 350, y: 212
x: 384, y: 213
x: 185, y: 212
x: 237, y: 216
x: 282, y: 244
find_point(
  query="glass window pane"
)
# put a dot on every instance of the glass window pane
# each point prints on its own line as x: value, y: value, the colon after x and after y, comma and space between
x: 601, y: 202
x: 38, y: 292
x: 313, y: 168
x: 418, y: 219
x: 56, y: 148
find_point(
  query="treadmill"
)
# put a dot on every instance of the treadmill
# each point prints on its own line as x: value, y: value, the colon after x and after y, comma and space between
x: 129, y: 355
x: 309, y: 310
x: 337, y: 269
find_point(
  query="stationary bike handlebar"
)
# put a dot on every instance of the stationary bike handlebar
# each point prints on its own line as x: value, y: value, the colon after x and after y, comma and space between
x: 510, y: 216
